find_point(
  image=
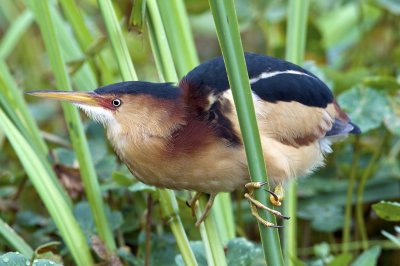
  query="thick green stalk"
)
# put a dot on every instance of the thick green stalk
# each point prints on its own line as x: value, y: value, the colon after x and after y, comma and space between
x: 13, y: 104
x: 349, y: 196
x: 184, y: 53
x: 138, y: 13
x: 209, y: 233
x: 180, y: 37
x: 15, y: 240
x: 223, y: 214
x: 84, y: 37
x: 116, y: 38
x: 160, y: 46
x: 78, y: 139
x: 170, y: 210
x: 14, y: 33
x: 229, y: 38
x: 166, y: 69
x: 360, y: 191
x: 11, y: 92
x: 295, y: 47
x: 42, y: 178
x: 167, y: 197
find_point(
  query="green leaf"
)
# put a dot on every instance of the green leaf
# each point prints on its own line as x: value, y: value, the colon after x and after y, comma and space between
x: 392, y: 122
x: 339, y: 24
x: 139, y: 186
x: 342, y: 259
x: 392, y: 118
x: 85, y: 219
x: 244, y: 252
x: 366, y: 107
x: 199, y: 252
x: 17, y: 259
x: 322, y: 250
x: 122, y: 179
x: 392, y: 6
x: 389, y: 211
x: 368, y: 257
x: 388, y: 83
x: 324, y: 218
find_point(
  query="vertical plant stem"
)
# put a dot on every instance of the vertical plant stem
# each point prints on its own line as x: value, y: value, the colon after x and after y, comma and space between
x: 352, y: 180
x: 212, y: 242
x: 14, y: 33
x: 295, y: 47
x: 360, y: 191
x: 12, y: 93
x: 180, y: 37
x: 169, y: 205
x: 229, y: 38
x: 170, y: 210
x: 42, y: 178
x: 138, y: 13
x: 184, y: 53
x: 166, y: 69
x: 223, y: 213
x: 84, y: 37
x: 117, y: 41
x: 159, y: 43
x: 75, y: 127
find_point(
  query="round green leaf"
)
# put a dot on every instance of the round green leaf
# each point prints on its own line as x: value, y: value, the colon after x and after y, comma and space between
x: 365, y: 106
x: 389, y: 211
x: 17, y: 259
x: 324, y: 218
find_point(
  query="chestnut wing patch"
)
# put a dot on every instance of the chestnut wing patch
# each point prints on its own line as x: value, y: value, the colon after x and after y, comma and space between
x: 209, y: 105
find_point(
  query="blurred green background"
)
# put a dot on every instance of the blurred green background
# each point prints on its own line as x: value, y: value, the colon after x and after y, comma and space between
x: 354, y: 46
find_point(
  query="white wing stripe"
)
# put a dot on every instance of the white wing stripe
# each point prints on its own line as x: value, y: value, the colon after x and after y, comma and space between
x: 266, y: 75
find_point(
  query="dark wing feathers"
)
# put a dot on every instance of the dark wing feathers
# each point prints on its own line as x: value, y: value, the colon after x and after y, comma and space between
x: 272, y: 80
x: 306, y: 89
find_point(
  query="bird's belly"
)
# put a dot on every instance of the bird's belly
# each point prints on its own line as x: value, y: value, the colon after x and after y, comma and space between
x: 284, y: 161
x: 208, y: 172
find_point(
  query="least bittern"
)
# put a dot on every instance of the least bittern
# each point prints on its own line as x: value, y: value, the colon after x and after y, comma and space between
x: 187, y: 136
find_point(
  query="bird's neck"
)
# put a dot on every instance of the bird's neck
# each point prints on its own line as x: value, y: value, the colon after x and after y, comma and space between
x: 148, y: 131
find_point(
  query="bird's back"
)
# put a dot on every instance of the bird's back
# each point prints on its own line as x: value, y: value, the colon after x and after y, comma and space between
x: 295, y: 110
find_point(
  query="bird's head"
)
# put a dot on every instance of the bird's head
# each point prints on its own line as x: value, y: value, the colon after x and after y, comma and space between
x: 134, y: 106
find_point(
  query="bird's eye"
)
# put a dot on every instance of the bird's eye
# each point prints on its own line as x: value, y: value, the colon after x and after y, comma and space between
x: 116, y: 102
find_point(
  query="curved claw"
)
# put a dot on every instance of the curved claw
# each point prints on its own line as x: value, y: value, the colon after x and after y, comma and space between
x: 276, y: 198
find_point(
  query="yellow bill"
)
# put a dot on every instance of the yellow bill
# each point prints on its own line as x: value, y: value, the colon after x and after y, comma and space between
x: 86, y: 98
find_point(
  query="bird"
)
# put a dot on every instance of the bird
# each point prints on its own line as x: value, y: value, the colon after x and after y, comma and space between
x: 187, y: 135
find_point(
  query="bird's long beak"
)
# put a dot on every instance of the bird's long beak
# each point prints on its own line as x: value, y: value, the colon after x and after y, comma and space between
x: 86, y: 98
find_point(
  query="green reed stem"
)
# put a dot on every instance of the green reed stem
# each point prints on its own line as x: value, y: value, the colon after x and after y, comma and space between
x: 229, y: 38
x: 75, y: 127
x: 360, y: 191
x: 295, y: 47
x: 349, y: 196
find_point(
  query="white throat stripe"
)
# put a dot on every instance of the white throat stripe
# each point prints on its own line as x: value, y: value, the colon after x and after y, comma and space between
x: 266, y: 75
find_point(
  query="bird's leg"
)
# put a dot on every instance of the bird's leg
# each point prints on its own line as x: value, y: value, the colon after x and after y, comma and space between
x: 192, y: 202
x: 254, y: 204
x: 207, y: 209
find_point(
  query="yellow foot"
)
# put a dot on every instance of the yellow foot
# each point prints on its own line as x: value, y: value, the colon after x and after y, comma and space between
x: 275, y: 199
x: 277, y: 196
x: 192, y: 205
